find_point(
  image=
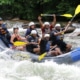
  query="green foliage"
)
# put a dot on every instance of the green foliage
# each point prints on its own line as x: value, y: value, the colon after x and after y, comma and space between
x: 30, y: 9
x: 3, y: 2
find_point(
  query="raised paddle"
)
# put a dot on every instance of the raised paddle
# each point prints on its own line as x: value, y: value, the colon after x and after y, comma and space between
x: 77, y: 11
x: 65, y: 15
x: 19, y: 43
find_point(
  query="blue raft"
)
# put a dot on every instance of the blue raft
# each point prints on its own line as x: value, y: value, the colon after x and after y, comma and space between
x: 67, y: 58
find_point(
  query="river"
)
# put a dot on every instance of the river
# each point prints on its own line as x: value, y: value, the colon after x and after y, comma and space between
x: 26, y: 70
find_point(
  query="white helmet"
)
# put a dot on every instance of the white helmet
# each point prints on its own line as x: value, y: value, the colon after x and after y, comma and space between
x: 15, y: 27
x: 58, y: 25
x: 46, y: 23
x: 46, y: 35
x: 33, y: 32
x: 31, y: 23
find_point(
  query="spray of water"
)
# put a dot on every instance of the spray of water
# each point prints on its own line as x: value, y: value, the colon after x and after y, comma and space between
x: 26, y: 70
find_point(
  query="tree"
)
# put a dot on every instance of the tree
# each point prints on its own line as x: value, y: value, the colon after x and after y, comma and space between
x: 30, y: 9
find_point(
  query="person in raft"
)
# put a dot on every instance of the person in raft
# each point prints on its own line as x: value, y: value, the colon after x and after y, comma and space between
x: 31, y: 27
x: 16, y: 37
x: 33, y: 43
x: 55, y: 39
x: 45, y: 46
x: 46, y: 27
x: 4, y: 34
x: 58, y: 28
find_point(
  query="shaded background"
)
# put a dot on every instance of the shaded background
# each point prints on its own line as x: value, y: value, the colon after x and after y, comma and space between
x: 30, y: 9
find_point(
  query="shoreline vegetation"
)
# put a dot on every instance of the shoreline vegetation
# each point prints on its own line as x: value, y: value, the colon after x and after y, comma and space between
x: 30, y: 9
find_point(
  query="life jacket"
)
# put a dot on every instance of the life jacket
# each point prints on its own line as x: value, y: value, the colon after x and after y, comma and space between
x: 53, y: 37
x: 17, y: 38
x: 32, y: 39
x: 44, y: 46
x: 2, y: 31
x: 46, y: 30
x: 28, y: 32
x: 31, y: 46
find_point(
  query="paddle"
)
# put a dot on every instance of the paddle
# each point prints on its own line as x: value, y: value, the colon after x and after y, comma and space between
x: 19, y: 43
x: 77, y: 11
x: 45, y: 53
x: 42, y: 56
x: 65, y: 15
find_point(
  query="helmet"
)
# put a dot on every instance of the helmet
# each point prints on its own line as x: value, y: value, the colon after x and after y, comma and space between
x: 46, y: 23
x: 46, y: 35
x: 58, y: 25
x: 15, y: 27
x: 33, y: 32
x: 31, y: 23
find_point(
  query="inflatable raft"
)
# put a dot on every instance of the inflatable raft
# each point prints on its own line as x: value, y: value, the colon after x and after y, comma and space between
x: 67, y: 58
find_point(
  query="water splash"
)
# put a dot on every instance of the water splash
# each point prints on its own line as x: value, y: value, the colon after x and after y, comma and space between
x: 26, y: 70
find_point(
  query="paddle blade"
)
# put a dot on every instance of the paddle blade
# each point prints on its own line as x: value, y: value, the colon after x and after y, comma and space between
x: 42, y: 56
x: 77, y: 11
x: 19, y: 43
x: 67, y: 15
x: 42, y: 14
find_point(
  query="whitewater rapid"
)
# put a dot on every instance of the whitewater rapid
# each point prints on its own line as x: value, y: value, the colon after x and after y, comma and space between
x: 26, y: 70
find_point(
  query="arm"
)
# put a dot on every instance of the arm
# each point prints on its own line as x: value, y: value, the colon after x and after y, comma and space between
x: 40, y: 21
x: 36, y: 43
x: 20, y: 37
x: 12, y: 39
x: 23, y: 38
x: 54, y: 20
x: 59, y: 33
x: 62, y: 32
x: 27, y: 33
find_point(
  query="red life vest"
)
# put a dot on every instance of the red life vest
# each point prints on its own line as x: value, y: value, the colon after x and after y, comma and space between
x: 47, y: 31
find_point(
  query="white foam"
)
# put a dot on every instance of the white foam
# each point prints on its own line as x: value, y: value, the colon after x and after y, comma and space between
x: 26, y: 70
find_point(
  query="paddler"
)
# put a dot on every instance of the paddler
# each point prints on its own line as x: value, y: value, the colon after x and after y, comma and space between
x: 55, y: 39
x: 58, y: 28
x: 45, y: 46
x: 16, y: 37
x: 4, y: 34
x: 46, y: 27
x: 33, y: 43
x: 32, y: 26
